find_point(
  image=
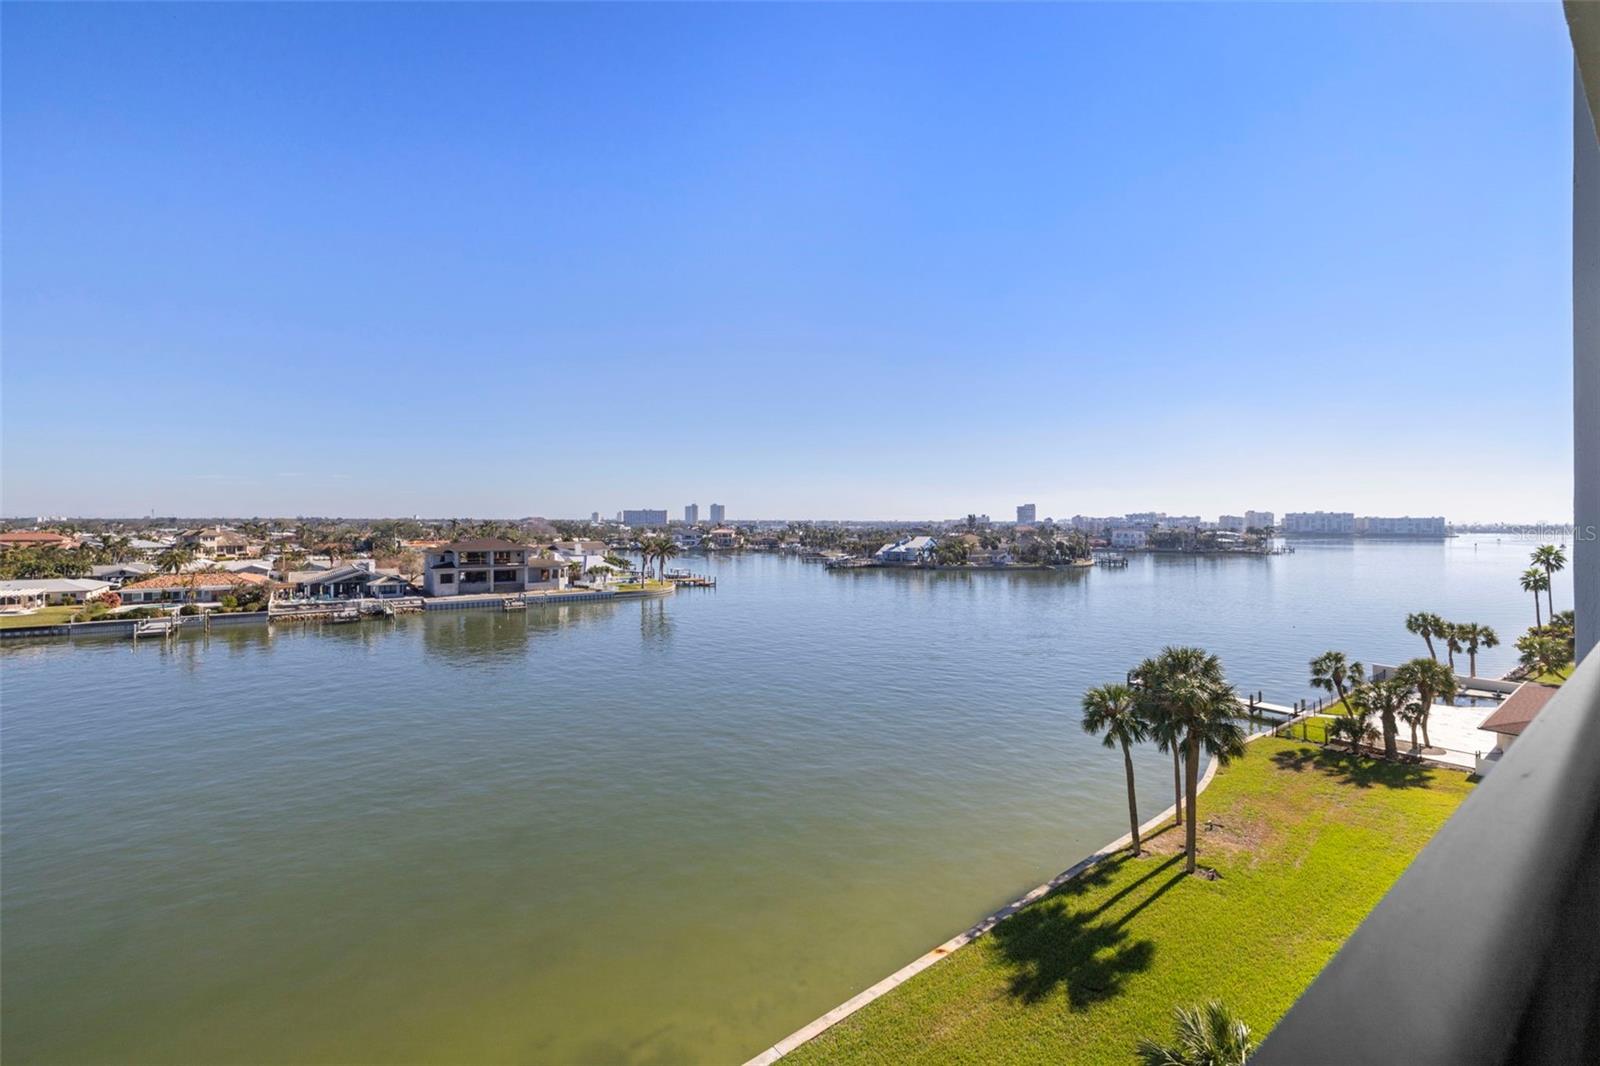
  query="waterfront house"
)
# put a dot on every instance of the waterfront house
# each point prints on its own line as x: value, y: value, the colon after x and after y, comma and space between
x: 349, y: 581
x: 42, y: 592
x: 723, y: 537
x: 907, y: 550
x: 989, y: 557
x: 489, y: 564
x: 198, y: 586
x: 1127, y: 539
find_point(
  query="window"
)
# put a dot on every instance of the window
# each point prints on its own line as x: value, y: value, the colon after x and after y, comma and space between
x: 475, y: 577
x: 505, y: 575
x: 447, y: 579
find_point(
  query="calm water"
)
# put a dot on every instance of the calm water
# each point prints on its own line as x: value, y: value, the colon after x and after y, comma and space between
x: 646, y: 832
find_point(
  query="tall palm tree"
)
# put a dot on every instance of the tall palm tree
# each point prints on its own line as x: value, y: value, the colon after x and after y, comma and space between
x: 1386, y: 699
x: 1208, y: 1035
x: 1552, y: 559
x: 1331, y: 672
x: 1185, y: 689
x: 1426, y: 625
x: 1477, y: 636
x: 1452, y: 643
x: 666, y: 548
x: 1113, y: 711
x: 1433, y: 681
x: 1535, y: 581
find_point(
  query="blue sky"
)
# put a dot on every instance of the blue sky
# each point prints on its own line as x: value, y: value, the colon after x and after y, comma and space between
x: 828, y: 260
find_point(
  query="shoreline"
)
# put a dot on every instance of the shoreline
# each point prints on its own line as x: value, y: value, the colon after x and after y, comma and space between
x: 827, y: 1020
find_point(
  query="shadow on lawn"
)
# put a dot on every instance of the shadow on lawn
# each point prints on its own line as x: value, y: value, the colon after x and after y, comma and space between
x: 1358, y: 770
x: 1051, y: 945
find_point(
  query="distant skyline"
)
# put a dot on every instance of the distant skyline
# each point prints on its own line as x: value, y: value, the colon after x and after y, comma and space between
x: 898, y: 261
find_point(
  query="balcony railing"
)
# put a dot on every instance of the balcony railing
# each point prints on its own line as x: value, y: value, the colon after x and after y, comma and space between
x: 1487, y: 950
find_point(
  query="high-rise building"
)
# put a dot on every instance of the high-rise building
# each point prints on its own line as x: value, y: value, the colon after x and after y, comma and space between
x: 691, y: 514
x: 1027, y: 514
x: 1234, y: 523
x: 1260, y: 519
x: 644, y: 517
x: 1335, y: 523
x: 718, y: 513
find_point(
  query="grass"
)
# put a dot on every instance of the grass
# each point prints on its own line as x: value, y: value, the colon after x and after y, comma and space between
x: 1553, y: 677
x: 44, y: 616
x: 1306, y: 841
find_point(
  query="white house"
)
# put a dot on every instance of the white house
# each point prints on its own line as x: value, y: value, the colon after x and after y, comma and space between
x: 907, y: 550
x: 117, y: 573
x: 488, y: 564
x: 1128, y: 538
x: 39, y: 592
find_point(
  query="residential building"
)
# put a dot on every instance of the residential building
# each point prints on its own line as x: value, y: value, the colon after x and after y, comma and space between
x: 644, y: 517
x: 215, y: 542
x: 907, y: 550
x: 989, y: 557
x: 349, y: 581
x: 117, y: 573
x: 719, y: 514
x: 1260, y: 519
x: 42, y: 592
x: 1328, y: 523
x: 208, y: 586
x: 1093, y: 526
x: 488, y: 564
x: 691, y: 514
x: 1404, y: 526
x: 36, y: 538
x: 1027, y: 514
x: 1129, y: 537
x: 724, y: 537
x: 1234, y: 523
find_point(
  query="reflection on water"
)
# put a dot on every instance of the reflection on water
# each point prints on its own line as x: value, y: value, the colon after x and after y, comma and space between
x: 569, y: 834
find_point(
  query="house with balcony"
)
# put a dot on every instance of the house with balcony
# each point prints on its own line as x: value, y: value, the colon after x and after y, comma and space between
x: 215, y: 542
x: 489, y: 564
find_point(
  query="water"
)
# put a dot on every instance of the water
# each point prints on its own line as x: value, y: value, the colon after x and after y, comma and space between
x: 668, y: 831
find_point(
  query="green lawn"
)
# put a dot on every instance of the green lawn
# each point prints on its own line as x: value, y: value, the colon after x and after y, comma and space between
x: 1553, y: 677
x: 1306, y: 841
x: 44, y: 616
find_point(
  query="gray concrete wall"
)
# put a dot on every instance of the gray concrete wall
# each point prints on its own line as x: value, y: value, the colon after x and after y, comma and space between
x: 1585, y: 369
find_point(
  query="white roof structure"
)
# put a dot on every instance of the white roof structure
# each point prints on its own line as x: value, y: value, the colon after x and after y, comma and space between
x: 53, y: 585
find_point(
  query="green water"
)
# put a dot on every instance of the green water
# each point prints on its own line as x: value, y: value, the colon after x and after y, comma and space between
x: 668, y: 831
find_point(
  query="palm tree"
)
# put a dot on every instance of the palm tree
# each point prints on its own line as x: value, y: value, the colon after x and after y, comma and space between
x: 1426, y: 625
x: 1386, y: 699
x: 1185, y: 690
x: 1452, y: 642
x: 1544, y: 655
x: 1330, y: 672
x: 1354, y: 727
x: 1433, y: 681
x: 1113, y: 710
x: 1552, y: 559
x: 1535, y: 581
x: 1477, y: 636
x: 666, y: 548
x: 173, y: 560
x: 1208, y: 1035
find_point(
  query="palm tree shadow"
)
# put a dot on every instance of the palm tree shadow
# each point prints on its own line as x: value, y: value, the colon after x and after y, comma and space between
x: 1052, y: 946
x: 1351, y: 769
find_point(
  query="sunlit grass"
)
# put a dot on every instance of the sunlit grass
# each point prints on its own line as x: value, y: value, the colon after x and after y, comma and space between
x: 1306, y: 842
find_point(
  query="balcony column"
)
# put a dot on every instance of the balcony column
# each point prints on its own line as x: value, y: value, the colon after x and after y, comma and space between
x: 1585, y: 359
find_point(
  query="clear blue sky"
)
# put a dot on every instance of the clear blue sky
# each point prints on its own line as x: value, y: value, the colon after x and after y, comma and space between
x: 852, y: 261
